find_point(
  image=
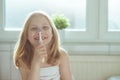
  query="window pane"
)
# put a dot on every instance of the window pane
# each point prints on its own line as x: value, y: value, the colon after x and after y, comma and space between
x: 17, y: 10
x: 114, y: 15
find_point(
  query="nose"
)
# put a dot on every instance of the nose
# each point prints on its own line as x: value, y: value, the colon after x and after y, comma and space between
x: 39, y: 30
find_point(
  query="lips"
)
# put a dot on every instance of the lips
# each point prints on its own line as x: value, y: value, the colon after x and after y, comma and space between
x: 36, y: 38
x: 43, y: 38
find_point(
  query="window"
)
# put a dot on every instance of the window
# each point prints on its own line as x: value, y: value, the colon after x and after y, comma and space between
x: 113, y: 15
x: 91, y: 20
x: 16, y: 11
x: 109, y: 20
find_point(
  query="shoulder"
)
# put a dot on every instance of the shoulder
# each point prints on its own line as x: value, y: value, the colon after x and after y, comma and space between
x: 65, y: 71
x: 63, y: 55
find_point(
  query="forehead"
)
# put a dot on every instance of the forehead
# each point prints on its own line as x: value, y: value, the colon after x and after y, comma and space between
x: 39, y: 20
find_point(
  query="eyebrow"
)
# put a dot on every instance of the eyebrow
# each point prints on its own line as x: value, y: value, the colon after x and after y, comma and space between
x: 33, y: 25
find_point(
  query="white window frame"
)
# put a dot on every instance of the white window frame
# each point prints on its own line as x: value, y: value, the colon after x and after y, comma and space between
x: 10, y: 36
x: 96, y: 26
x: 90, y: 35
x: 113, y: 36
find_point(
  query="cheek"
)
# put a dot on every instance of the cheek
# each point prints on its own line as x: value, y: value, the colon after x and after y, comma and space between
x: 30, y: 36
x: 50, y: 33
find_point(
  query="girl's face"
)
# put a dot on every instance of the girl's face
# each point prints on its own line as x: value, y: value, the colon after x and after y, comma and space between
x: 39, y: 23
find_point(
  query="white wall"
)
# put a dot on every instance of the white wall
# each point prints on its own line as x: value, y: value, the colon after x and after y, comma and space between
x: 95, y: 67
x: 7, y: 68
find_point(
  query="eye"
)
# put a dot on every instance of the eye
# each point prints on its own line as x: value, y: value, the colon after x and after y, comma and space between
x: 34, y: 28
x: 46, y: 27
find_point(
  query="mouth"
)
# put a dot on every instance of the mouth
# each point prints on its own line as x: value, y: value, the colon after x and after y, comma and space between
x: 37, y: 38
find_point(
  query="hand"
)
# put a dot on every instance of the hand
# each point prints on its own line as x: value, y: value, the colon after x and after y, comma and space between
x: 40, y: 53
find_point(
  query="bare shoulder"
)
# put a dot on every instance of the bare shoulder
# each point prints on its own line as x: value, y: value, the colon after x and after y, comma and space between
x: 63, y: 55
x: 65, y: 70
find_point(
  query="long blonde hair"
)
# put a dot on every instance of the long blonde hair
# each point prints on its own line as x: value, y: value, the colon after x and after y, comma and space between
x: 24, y: 49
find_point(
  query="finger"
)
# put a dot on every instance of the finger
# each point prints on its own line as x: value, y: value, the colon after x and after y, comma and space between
x: 44, y: 58
x: 40, y: 46
x: 42, y: 49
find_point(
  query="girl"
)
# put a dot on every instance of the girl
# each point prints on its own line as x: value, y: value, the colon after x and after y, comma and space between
x: 43, y: 60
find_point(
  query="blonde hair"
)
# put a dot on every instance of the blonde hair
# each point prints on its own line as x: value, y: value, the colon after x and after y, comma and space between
x: 24, y: 49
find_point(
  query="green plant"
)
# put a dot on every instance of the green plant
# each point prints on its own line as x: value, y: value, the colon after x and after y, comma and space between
x: 60, y: 21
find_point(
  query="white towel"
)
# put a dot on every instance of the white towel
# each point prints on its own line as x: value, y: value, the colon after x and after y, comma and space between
x: 50, y: 73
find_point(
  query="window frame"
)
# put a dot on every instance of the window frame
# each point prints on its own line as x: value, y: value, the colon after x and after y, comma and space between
x: 106, y: 35
x: 6, y: 36
x: 91, y: 33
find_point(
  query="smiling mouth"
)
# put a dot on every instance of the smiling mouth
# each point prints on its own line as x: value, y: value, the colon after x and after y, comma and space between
x: 43, y: 38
